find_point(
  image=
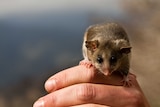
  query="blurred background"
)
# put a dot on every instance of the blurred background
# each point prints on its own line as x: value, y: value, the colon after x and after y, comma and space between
x: 39, y: 38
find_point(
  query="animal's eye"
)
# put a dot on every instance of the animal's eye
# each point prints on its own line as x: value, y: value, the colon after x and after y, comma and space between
x: 99, y: 59
x: 113, y: 59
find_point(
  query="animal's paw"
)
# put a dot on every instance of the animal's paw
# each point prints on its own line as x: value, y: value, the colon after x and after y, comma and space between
x: 86, y: 63
x: 126, y: 81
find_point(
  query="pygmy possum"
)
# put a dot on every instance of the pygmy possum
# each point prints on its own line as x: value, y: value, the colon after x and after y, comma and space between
x: 108, y: 48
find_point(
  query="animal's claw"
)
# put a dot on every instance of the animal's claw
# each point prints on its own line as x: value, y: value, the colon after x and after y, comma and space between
x: 126, y: 81
x: 86, y: 63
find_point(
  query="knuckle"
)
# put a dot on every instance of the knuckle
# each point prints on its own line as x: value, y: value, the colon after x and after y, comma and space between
x: 90, y: 74
x: 137, y: 98
x: 65, y: 79
x: 85, y: 92
x: 58, y: 80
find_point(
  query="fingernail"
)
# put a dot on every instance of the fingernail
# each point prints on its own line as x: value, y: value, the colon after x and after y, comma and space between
x: 39, y: 103
x: 50, y: 85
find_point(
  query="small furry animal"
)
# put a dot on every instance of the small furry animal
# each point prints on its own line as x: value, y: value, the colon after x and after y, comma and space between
x: 108, y: 48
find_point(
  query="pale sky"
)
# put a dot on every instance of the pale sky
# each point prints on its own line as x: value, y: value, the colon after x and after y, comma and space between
x: 12, y: 6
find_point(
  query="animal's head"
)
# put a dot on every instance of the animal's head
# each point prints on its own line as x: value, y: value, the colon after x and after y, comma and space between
x: 109, y: 56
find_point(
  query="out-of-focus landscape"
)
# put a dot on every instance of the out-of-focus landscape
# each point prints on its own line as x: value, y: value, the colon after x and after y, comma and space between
x: 40, y: 38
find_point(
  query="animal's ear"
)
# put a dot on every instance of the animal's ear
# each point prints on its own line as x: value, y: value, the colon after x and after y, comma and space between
x: 92, y: 45
x: 125, y: 50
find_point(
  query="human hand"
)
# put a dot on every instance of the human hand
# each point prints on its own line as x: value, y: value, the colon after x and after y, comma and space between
x: 82, y: 87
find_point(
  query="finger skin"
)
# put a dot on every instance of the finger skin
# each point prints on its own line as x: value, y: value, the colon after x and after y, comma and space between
x: 90, y: 105
x: 73, y: 87
x: 79, y: 74
x: 74, y: 90
x: 93, y: 93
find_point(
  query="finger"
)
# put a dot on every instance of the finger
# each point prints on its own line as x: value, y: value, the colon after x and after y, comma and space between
x: 80, y: 74
x: 77, y: 74
x: 90, y: 105
x: 90, y: 93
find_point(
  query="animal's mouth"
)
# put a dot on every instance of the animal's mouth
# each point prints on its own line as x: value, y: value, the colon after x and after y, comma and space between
x: 107, y: 72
